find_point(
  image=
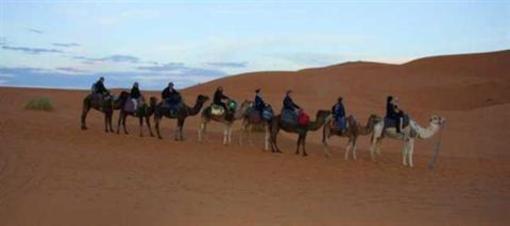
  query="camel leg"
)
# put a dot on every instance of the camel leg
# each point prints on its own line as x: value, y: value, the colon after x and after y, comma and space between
x: 349, y: 143
x: 106, y: 123
x: 148, y: 122
x: 157, y: 120
x: 325, y: 137
x: 140, y: 120
x: 266, y: 138
x: 404, y: 153
x: 303, y: 145
x: 180, y: 125
x: 298, y: 144
x: 354, y: 147
x: 372, y: 147
x: 250, y: 130
x: 84, y: 113
x: 230, y: 134
x: 119, y: 121
x: 110, y: 119
x: 410, y: 152
x: 241, y: 133
x: 124, y: 124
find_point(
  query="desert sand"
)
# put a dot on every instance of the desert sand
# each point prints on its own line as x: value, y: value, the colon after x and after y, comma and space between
x: 53, y: 173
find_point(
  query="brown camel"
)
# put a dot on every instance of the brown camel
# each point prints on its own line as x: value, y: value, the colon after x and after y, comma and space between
x: 277, y: 123
x: 227, y: 120
x: 247, y: 125
x: 106, y: 105
x: 181, y: 115
x: 143, y: 112
x: 353, y: 131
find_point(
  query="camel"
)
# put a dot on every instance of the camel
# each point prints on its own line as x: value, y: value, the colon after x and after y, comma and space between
x: 181, y: 115
x: 106, y: 105
x: 277, y: 123
x: 409, y: 134
x: 247, y: 126
x: 143, y: 111
x: 353, y: 131
x: 228, y: 121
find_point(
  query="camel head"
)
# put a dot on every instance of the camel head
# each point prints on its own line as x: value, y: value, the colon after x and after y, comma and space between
x: 322, y: 114
x: 123, y: 95
x: 153, y: 101
x: 202, y: 98
x: 245, y: 105
x: 437, y: 120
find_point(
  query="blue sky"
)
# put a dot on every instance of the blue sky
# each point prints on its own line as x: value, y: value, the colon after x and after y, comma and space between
x: 68, y: 44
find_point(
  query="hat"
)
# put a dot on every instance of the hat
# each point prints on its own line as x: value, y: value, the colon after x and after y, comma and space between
x: 340, y: 98
x: 288, y: 92
x: 257, y: 90
x: 171, y: 84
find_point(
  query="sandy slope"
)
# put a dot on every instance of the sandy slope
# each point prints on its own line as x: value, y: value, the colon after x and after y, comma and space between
x: 52, y: 173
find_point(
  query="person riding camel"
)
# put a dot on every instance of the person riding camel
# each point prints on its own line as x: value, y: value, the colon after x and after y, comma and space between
x: 171, y: 96
x: 288, y: 103
x: 135, y: 95
x: 219, y: 97
x: 260, y: 105
x: 99, y: 88
x: 339, y: 114
x: 393, y: 112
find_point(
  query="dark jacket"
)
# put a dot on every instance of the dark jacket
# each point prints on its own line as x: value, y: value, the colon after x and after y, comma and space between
x: 259, y: 103
x: 338, y: 110
x: 289, y: 104
x: 167, y: 93
x: 135, y: 93
x: 99, y: 88
x: 218, y: 97
x: 392, y: 111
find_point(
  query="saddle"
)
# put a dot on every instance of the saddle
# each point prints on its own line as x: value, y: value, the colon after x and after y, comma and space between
x: 129, y: 105
x: 392, y: 122
x: 289, y: 116
x: 341, y: 124
x: 217, y: 110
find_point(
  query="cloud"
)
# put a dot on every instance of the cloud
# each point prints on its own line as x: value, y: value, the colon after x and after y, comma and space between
x: 113, y: 58
x: 71, y: 69
x: 180, y: 68
x: 70, y: 77
x: 31, y: 50
x: 163, y: 67
x: 71, y: 44
x: 35, y: 31
x: 228, y: 64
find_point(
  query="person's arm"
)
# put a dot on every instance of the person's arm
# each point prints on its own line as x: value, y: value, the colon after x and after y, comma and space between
x: 342, y: 110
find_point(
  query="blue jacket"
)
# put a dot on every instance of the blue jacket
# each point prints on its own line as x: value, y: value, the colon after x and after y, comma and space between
x: 339, y: 110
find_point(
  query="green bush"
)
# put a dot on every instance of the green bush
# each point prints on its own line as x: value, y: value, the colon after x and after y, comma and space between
x: 39, y: 104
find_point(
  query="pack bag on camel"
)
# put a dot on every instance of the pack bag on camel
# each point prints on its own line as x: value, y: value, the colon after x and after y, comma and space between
x: 218, y: 110
x: 257, y: 116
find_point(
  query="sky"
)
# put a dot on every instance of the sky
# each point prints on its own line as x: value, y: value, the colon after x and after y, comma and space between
x: 69, y: 44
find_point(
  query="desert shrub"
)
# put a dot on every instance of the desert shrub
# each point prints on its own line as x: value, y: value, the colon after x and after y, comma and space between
x: 39, y: 104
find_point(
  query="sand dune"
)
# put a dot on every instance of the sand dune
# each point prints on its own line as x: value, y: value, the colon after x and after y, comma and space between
x: 52, y: 173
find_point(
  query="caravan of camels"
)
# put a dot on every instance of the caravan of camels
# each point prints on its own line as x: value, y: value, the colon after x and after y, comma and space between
x: 396, y: 124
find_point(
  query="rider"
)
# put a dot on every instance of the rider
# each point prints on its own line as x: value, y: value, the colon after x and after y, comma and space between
x: 219, y: 97
x: 288, y: 103
x: 259, y: 102
x: 339, y: 113
x: 99, y: 88
x: 170, y: 95
x: 135, y: 95
x: 393, y: 112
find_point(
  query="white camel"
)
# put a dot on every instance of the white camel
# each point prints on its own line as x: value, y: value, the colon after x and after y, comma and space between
x: 207, y: 116
x: 408, y: 135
